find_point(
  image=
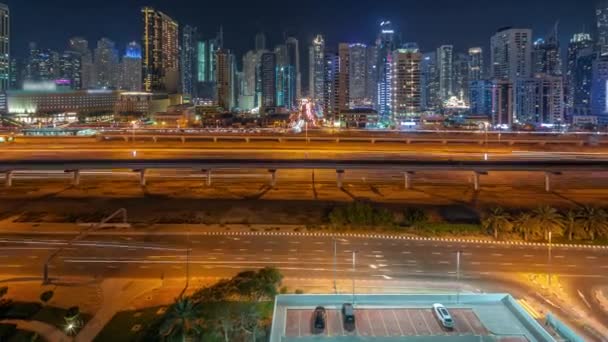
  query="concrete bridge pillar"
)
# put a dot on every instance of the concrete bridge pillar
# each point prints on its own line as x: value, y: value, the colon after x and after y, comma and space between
x: 8, y: 179
x: 407, y: 179
x: 208, y: 175
x: 273, y: 177
x: 142, y: 177
x: 76, y: 177
x: 476, y: 180
x: 340, y: 178
x: 548, y: 178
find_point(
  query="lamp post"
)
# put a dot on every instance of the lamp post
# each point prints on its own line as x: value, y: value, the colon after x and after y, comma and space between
x: 549, y: 260
x: 354, y: 269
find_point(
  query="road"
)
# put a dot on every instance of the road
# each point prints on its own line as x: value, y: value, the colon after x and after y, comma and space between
x: 306, y: 258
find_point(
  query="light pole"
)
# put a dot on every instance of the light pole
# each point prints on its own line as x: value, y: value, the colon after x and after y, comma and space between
x: 354, y: 270
x: 549, y: 260
x: 458, y: 277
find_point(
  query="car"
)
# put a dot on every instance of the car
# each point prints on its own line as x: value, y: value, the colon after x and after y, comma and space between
x: 319, y: 317
x: 443, y: 316
x: 348, y: 316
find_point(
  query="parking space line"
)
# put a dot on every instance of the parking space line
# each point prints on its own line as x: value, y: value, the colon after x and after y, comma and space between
x: 370, y: 323
x: 299, y: 323
x: 398, y: 324
x: 411, y: 321
x: 466, y: 320
x: 425, y: 322
x: 383, y: 323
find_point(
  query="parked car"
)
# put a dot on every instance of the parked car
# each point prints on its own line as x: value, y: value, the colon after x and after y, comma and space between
x: 348, y: 316
x: 319, y: 317
x: 444, y: 317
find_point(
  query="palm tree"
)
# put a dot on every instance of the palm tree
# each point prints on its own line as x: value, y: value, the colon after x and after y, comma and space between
x: 593, y: 221
x: 182, y: 322
x: 549, y: 220
x: 524, y: 224
x: 571, y: 223
x: 498, y: 221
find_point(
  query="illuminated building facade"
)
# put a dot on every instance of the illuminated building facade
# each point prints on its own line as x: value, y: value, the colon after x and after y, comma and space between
x: 371, y: 85
x: 106, y: 65
x: 224, y: 79
x: 445, y: 70
x: 5, y: 58
x: 81, y: 46
x: 406, y: 92
x: 70, y: 69
x: 343, y: 77
x: 268, y: 73
x: 546, y: 56
x: 358, y: 75
x: 188, y: 61
x: 293, y: 59
x: 579, y: 74
x: 160, y: 47
x: 475, y: 64
x: 429, y: 82
x: 206, y: 67
x: 599, y: 90
x: 130, y: 75
x: 331, y: 84
x: 539, y: 100
x: 511, y: 54
x: 502, y: 104
x: 386, y: 46
x: 480, y: 97
x: 601, y: 16
x: 316, y: 64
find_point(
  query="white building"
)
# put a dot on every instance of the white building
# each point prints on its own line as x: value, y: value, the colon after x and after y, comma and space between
x: 511, y: 54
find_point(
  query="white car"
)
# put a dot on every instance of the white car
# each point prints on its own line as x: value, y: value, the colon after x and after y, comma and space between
x: 443, y: 316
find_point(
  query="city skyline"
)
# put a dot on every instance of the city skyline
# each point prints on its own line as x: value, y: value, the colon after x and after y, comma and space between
x: 429, y: 26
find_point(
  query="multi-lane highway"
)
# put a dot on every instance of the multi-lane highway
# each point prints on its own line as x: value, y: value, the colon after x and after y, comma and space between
x: 163, y: 254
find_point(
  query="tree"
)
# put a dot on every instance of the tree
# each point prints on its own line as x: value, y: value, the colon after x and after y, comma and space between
x: 594, y: 222
x: 571, y: 223
x: 250, y: 321
x: 259, y: 285
x: 549, y: 220
x: 182, y: 321
x: 497, y: 222
x: 525, y: 225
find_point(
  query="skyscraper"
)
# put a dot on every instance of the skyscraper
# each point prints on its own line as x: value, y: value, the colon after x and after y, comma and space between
x: 599, y: 90
x: 502, y: 103
x: 206, y: 66
x: 539, y: 100
x: 601, y: 16
x: 130, y: 76
x: 42, y: 64
x: 188, y: 60
x: 371, y: 84
x: 358, y: 74
x: 406, y: 91
x: 5, y: 38
x: 476, y: 71
x: 293, y: 59
x: 460, y: 77
x: 251, y: 64
x: 343, y: 77
x: 70, y: 69
x: 160, y: 47
x: 316, y: 67
x: 106, y: 64
x: 579, y: 74
x: 429, y: 82
x: 546, y: 56
x: 81, y: 46
x: 268, y: 73
x: 386, y: 46
x: 511, y: 54
x: 224, y: 79
x: 480, y: 97
x: 331, y: 84
x: 445, y: 68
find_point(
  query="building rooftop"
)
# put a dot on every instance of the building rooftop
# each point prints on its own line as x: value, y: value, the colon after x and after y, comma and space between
x: 387, y: 318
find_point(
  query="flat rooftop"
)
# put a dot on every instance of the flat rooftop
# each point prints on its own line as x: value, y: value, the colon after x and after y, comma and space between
x: 477, y: 317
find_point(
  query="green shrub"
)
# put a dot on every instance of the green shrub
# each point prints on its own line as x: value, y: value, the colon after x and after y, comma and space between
x: 414, y: 217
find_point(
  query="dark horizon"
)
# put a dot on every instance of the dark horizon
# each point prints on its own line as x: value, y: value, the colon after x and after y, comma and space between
x: 51, y: 24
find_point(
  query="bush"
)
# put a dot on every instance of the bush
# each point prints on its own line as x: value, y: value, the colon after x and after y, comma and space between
x: 359, y: 214
x: 299, y: 291
x: 22, y: 310
x: 414, y: 217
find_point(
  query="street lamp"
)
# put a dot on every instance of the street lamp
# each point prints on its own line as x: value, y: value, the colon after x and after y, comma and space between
x: 549, y: 260
x: 354, y: 270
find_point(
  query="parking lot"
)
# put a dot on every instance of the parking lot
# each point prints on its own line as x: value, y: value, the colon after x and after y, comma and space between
x: 385, y: 323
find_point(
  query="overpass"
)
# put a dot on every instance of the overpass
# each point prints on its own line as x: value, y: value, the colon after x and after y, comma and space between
x: 408, y: 168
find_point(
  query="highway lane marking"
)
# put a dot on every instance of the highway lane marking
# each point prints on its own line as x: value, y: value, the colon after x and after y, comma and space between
x: 444, y: 262
x: 406, y: 252
x: 319, y: 251
x: 243, y: 250
x: 591, y: 257
x: 436, y: 253
x: 268, y: 250
x: 475, y: 263
x: 528, y: 256
x: 319, y: 243
x: 466, y: 254
x: 559, y: 257
x: 506, y: 264
x: 497, y: 254
x: 293, y: 250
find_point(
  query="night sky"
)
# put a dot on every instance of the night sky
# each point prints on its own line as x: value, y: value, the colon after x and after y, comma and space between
x: 427, y: 22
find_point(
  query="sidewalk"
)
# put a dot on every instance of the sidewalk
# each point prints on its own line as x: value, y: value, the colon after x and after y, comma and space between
x: 47, y: 331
